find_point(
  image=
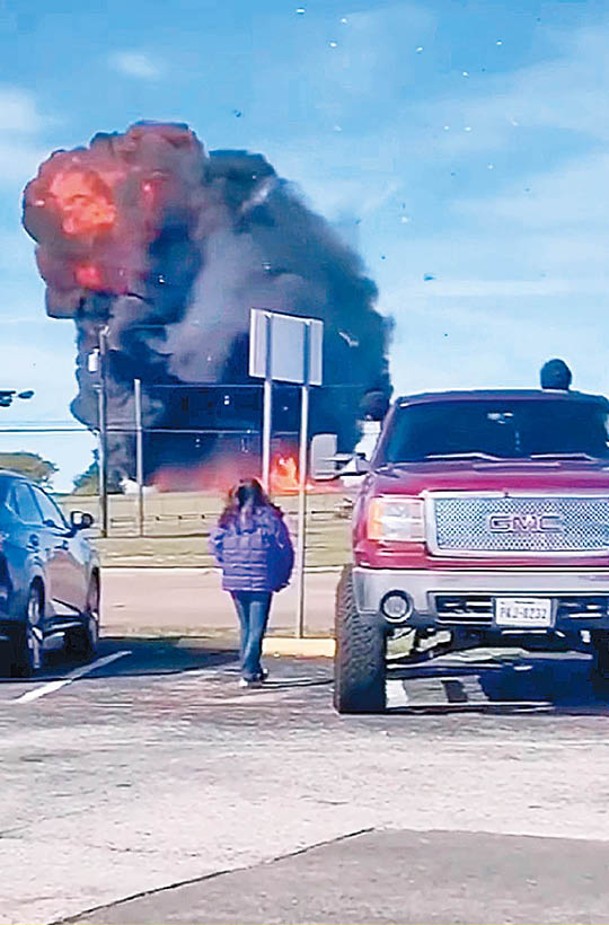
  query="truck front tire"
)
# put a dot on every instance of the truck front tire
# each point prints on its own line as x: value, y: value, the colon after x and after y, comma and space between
x: 360, y: 658
x: 600, y: 657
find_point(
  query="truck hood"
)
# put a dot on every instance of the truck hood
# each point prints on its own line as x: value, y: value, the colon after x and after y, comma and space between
x: 544, y: 476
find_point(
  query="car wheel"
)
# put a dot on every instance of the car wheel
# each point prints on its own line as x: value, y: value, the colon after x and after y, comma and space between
x: 81, y: 642
x: 360, y: 658
x: 29, y: 638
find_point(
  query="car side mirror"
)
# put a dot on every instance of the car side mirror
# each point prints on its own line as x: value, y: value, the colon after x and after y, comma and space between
x: 81, y: 520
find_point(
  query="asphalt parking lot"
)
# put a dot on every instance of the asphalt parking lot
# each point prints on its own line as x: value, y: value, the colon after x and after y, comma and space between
x: 149, y: 788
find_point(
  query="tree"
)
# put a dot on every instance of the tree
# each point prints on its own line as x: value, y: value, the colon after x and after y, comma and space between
x: 32, y: 465
x: 87, y: 483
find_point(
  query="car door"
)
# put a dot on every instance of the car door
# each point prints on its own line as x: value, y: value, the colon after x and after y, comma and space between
x: 68, y: 580
x: 27, y: 537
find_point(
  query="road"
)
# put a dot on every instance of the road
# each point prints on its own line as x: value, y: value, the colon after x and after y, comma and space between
x: 174, y: 601
x: 480, y: 796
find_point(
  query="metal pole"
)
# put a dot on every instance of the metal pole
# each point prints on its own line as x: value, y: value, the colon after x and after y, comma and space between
x: 302, y: 486
x: 139, y: 454
x: 103, y: 433
x: 267, y: 411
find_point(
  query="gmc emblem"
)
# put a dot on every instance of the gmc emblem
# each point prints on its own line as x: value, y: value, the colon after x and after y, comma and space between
x: 525, y: 523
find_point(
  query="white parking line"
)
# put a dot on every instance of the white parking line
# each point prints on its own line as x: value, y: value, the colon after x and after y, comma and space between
x: 53, y: 686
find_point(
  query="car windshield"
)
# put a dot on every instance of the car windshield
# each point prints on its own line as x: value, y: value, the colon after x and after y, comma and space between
x: 503, y: 429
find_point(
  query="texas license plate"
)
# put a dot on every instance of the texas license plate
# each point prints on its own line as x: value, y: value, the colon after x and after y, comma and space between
x: 523, y: 612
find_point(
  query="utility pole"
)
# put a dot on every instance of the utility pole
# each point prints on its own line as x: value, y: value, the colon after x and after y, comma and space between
x: 139, y: 454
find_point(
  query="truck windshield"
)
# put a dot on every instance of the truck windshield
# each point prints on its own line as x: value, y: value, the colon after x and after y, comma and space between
x: 513, y: 429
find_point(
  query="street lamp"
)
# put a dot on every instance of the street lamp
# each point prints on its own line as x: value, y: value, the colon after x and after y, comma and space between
x: 7, y: 396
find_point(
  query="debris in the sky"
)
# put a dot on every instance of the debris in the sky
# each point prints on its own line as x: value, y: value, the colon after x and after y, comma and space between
x: 490, y: 166
x: 447, y: 128
x: 344, y: 20
x: 333, y: 44
x: 301, y: 11
x: 350, y: 341
x: 498, y: 42
x: 465, y: 73
x: 419, y: 49
x: 428, y: 277
x: 237, y: 113
x: 467, y: 128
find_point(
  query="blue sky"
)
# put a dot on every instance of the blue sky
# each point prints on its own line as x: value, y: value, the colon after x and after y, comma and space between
x: 466, y: 141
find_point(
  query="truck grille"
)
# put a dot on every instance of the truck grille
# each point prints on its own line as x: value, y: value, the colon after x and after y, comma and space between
x: 487, y: 525
x: 477, y: 609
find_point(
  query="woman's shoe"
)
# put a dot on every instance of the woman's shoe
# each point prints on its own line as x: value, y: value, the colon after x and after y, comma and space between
x: 245, y: 683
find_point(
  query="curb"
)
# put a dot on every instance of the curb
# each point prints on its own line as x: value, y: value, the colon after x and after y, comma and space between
x: 309, y: 647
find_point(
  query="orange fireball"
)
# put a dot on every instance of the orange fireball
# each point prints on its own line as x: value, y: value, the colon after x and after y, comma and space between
x: 84, y: 201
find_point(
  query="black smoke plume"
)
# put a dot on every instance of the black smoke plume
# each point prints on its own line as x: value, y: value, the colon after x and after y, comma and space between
x: 168, y: 247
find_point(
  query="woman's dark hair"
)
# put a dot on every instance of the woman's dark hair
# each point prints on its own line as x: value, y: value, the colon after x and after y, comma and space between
x: 244, y: 498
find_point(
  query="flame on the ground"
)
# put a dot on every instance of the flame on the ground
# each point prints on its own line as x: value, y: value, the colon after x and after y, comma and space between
x: 284, y: 475
x: 222, y: 474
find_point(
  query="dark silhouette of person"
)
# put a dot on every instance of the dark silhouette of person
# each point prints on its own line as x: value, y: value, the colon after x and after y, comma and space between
x: 556, y: 376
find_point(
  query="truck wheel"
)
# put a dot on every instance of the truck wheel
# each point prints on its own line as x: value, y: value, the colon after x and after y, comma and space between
x: 359, y: 662
x: 600, y: 656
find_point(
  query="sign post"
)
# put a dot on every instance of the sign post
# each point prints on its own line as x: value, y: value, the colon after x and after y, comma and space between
x: 302, y: 483
x: 267, y: 411
x: 288, y: 348
x: 103, y: 430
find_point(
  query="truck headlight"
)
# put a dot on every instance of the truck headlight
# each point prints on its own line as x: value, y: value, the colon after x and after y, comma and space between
x: 394, y: 519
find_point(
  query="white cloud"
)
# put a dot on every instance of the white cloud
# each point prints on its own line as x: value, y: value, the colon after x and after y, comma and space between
x: 19, y: 161
x: 135, y: 64
x: 20, y: 122
x: 18, y: 111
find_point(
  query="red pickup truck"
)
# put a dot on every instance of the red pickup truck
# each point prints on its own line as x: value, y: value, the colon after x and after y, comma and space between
x: 483, y: 516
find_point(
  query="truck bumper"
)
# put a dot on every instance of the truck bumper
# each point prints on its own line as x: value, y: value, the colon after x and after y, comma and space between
x: 451, y: 598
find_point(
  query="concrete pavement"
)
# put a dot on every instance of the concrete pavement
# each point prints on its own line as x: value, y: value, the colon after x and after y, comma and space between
x: 414, y: 878
x: 155, y: 769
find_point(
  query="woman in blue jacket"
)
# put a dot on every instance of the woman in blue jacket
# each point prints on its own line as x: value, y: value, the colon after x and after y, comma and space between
x: 252, y: 545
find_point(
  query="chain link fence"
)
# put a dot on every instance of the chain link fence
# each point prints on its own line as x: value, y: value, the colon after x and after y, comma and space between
x: 176, y: 479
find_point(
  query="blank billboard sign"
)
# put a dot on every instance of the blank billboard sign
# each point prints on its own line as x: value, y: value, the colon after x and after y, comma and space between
x: 279, y: 348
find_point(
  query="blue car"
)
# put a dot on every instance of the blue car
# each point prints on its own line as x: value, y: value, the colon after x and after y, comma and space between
x: 49, y: 577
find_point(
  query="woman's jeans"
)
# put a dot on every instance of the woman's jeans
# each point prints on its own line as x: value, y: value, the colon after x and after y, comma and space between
x: 253, y: 608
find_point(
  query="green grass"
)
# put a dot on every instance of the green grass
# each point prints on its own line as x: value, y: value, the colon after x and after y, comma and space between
x: 177, y: 528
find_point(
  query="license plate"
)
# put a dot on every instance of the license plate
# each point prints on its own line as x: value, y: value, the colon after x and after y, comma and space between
x: 523, y: 612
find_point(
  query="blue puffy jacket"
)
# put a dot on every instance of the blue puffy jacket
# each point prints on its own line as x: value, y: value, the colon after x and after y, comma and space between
x: 255, y: 552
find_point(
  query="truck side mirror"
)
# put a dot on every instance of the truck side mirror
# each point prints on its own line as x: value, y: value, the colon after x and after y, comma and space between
x: 361, y: 466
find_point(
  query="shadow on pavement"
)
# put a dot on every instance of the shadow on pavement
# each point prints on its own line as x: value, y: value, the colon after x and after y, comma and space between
x: 144, y: 657
x: 556, y: 683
